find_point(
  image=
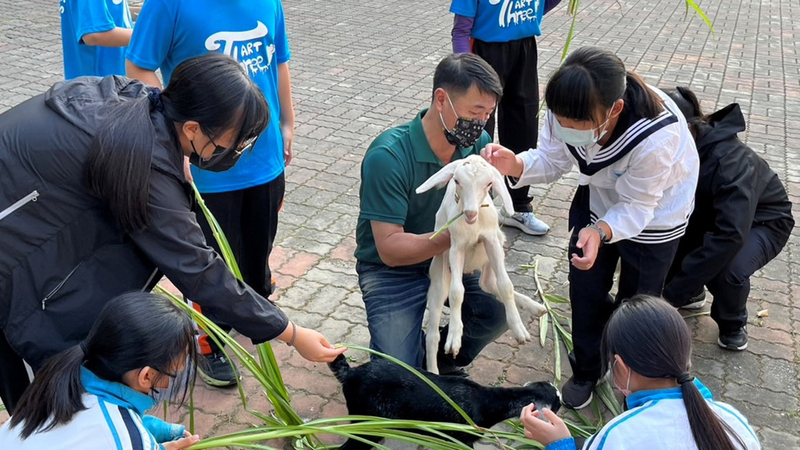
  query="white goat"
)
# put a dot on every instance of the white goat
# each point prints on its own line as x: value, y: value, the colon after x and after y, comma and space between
x: 476, y: 244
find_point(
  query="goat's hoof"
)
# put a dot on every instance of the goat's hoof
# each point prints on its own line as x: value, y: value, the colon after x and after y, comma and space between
x: 452, y: 347
x: 522, y: 336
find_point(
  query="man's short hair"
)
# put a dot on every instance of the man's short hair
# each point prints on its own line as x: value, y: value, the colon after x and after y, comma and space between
x: 456, y: 73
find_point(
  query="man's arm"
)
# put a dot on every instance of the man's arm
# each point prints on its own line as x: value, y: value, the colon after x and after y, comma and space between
x: 398, y: 248
x: 117, y: 37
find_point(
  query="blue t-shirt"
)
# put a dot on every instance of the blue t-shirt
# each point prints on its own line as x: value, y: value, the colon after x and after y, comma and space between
x: 82, y: 17
x: 251, y: 31
x: 501, y: 20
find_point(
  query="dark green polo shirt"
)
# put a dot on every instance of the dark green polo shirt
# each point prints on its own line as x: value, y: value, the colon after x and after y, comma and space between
x: 396, y: 163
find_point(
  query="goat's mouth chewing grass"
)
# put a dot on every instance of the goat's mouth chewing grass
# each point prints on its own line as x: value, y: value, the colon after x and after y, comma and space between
x: 449, y: 223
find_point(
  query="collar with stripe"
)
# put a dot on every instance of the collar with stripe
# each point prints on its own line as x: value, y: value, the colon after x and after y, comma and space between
x: 116, y: 393
x: 641, y: 397
x: 624, y: 144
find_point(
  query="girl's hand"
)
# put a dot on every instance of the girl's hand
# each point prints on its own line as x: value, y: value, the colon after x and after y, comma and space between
x: 314, y: 347
x: 503, y: 159
x: 589, y: 241
x: 541, y: 431
x: 185, y: 442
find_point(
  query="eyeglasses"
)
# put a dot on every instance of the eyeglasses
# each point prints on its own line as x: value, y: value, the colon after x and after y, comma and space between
x: 220, y: 152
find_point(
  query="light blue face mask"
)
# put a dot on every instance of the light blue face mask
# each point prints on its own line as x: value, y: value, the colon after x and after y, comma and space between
x: 579, y: 138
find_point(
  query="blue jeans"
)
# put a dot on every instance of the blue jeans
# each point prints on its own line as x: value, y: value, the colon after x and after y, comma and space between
x: 395, y: 299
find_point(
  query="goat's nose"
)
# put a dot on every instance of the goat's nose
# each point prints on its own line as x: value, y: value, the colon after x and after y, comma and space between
x: 471, y: 216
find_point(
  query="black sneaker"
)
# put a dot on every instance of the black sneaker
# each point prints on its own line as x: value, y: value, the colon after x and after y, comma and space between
x: 216, y: 370
x: 577, y: 394
x: 733, y: 340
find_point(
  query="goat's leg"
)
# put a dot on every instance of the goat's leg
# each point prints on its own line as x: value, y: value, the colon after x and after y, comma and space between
x: 531, y: 305
x: 488, y: 283
x: 505, y: 289
x: 437, y: 294
x: 456, y: 329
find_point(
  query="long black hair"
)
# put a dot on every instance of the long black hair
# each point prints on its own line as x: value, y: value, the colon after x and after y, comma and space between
x: 211, y: 89
x: 654, y: 341
x: 688, y: 104
x: 590, y: 80
x: 133, y: 331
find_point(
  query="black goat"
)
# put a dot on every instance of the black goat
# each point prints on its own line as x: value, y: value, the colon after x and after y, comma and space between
x: 384, y: 389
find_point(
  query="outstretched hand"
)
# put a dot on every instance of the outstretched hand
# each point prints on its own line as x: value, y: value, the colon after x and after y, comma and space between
x: 540, y: 431
x: 314, y: 347
x: 503, y: 160
x: 186, y: 441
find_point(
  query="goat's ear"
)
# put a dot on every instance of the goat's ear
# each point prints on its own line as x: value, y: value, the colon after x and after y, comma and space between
x: 440, y: 178
x: 500, y: 190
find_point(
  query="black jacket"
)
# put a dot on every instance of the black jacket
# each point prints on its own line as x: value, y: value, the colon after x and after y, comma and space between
x: 62, y: 257
x: 736, y: 189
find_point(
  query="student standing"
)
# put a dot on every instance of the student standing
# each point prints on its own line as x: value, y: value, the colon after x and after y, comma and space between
x: 246, y: 199
x: 638, y: 172
x: 504, y: 35
x: 94, y: 34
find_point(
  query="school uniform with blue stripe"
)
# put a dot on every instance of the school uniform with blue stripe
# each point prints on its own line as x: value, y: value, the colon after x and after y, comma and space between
x: 657, y: 420
x: 113, y: 419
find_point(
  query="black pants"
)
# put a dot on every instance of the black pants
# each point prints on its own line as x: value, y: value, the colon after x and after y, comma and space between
x: 249, y: 219
x: 643, y: 270
x: 517, y: 125
x: 13, y: 375
x: 731, y: 286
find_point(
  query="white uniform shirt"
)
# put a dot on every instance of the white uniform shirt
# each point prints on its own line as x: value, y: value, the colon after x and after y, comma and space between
x: 646, y: 195
x: 657, y: 420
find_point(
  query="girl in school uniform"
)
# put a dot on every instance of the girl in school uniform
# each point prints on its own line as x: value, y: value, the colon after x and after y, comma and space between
x: 637, y: 176
x: 94, y: 394
x: 646, y: 350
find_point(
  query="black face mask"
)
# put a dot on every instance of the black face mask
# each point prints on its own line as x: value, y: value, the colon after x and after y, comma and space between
x: 466, y: 132
x: 221, y: 160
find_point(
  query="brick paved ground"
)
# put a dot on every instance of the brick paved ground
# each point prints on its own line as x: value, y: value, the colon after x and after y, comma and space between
x: 360, y: 67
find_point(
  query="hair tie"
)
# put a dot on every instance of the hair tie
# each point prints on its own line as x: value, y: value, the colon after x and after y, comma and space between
x: 155, y: 99
x: 84, y: 349
x: 685, y: 378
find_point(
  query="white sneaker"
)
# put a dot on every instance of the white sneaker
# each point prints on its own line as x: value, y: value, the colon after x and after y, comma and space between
x: 525, y: 221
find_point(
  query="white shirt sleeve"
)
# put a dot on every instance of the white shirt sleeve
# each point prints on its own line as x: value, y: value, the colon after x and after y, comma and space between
x: 641, y: 187
x: 546, y: 163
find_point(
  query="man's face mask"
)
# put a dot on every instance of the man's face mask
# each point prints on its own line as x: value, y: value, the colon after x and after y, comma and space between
x: 466, y: 132
x: 580, y: 138
x: 222, y: 159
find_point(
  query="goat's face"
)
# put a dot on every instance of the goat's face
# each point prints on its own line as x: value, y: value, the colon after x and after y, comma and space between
x: 471, y: 177
x: 472, y: 182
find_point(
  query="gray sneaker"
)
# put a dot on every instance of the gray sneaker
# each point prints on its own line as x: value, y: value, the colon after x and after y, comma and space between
x: 696, y: 302
x: 527, y: 222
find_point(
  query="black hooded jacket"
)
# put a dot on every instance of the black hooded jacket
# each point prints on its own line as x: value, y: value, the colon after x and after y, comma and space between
x: 736, y: 188
x: 62, y: 256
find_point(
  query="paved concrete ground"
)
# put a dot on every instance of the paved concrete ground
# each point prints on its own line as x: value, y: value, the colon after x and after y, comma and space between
x: 360, y: 67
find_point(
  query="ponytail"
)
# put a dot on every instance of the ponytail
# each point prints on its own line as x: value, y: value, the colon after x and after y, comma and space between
x: 654, y: 341
x: 643, y: 101
x: 118, y: 167
x: 710, y: 433
x: 54, y: 397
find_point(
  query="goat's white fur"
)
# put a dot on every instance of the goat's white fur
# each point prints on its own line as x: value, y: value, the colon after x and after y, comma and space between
x: 476, y: 244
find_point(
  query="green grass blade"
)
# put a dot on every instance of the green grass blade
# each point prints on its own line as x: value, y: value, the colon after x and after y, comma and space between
x: 543, y: 326
x: 446, y: 226
x: 573, y: 11
x: 699, y: 12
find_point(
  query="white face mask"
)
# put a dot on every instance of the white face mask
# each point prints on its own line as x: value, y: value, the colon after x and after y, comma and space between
x: 579, y: 138
x: 626, y: 391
